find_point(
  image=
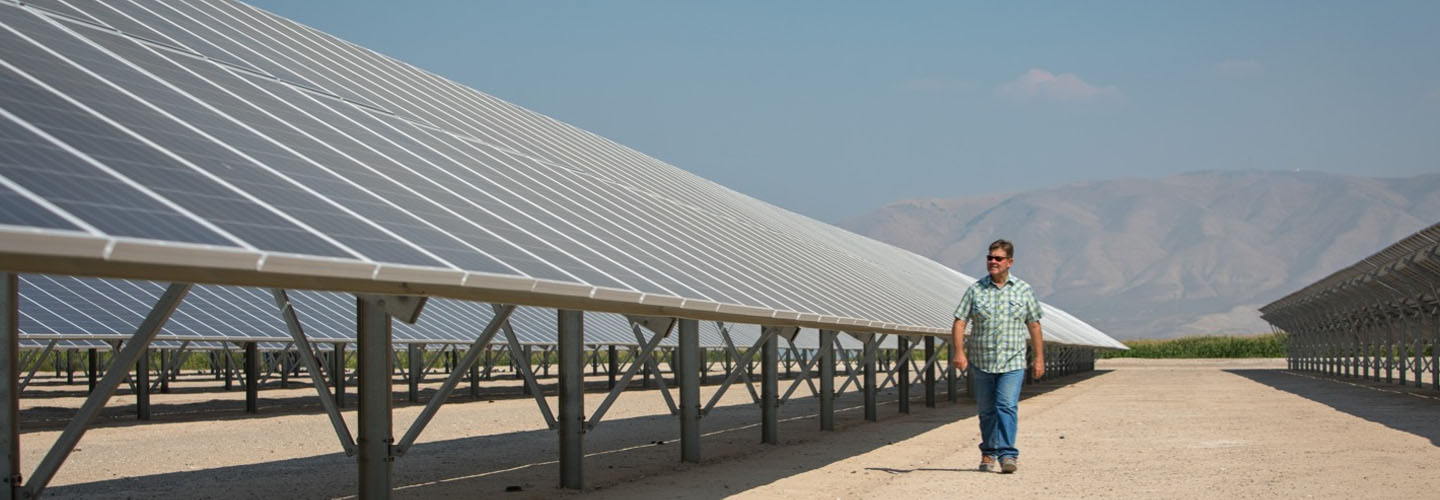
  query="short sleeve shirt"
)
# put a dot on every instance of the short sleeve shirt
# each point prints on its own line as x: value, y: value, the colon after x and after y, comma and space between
x: 997, y: 317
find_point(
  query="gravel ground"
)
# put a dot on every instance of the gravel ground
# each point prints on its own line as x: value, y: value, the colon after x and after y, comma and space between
x: 1132, y: 429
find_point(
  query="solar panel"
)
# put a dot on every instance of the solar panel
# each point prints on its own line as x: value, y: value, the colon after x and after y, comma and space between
x: 72, y: 308
x: 221, y: 136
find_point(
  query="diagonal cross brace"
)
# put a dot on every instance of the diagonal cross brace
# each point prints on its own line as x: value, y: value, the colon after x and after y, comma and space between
x: 502, y: 316
x: 735, y: 353
x: 644, y: 352
x: 854, y: 376
x: 35, y: 366
x: 805, y: 369
x: 307, y: 356
x: 655, y: 367
x: 176, y: 362
x: 522, y: 363
x: 65, y: 444
x: 742, y: 363
x: 900, y: 357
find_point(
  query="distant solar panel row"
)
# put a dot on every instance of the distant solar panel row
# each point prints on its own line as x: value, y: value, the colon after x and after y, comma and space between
x: 75, y: 309
x: 205, y: 135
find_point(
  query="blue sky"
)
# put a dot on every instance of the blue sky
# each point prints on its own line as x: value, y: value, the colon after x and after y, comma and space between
x: 834, y: 108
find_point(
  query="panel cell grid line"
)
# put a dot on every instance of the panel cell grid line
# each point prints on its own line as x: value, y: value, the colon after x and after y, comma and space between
x: 181, y: 137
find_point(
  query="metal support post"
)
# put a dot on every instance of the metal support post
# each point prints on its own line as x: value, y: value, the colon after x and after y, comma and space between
x: 827, y: 380
x: 572, y: 398
x: 688, y: 374
x: 92, y: 369
x: 142, y: 386
x: 475, y: 372
x: 871, y: 411
x: 902, y: 356
x: 337, y: 373
x: 229, y: 368
x: 285, y: 367
x: 10, y: 385
x: 528, y: 353
x: 613, y: 358
x: 252, y: 377
x: 375, y: 436
x: 416, y: 357
x: 929, y: 372
x: 952, y: 385
x: 165, y: 360
x: 770, y: 392
x: 70, y: 366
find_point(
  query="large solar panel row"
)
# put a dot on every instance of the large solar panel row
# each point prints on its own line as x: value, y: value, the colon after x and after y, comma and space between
x: 1400, y: 277
x: 72, y: 308
x: 208, y: 139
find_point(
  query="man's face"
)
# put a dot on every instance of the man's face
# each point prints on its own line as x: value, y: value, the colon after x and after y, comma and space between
x: 997, y: 263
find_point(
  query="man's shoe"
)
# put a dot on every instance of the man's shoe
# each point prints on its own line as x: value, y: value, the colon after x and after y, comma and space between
x: 987, y: 463
x: 1008, y: 465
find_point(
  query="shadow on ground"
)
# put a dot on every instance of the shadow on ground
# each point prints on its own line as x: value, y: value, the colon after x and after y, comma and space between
x: 1408, y: 409
x: 618, y: 451
x: 228, y: 404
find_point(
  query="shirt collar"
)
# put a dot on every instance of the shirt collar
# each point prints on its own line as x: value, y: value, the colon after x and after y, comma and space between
x: 988, y: 282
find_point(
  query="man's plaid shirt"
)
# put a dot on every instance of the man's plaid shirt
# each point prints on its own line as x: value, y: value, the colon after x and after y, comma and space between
x: 997, y: 318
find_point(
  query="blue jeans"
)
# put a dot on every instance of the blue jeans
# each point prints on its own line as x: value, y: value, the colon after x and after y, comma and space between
x: 998, y: 397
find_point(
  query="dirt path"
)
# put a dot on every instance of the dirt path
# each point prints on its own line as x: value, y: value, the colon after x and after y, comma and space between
x: 1142, y: 429
x: 1134, y: 429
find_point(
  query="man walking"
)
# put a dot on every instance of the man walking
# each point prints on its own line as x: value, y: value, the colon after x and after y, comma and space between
x: 1000, y: 308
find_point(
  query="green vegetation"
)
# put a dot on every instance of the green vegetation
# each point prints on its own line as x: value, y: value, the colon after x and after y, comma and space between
x: 1270, y: 345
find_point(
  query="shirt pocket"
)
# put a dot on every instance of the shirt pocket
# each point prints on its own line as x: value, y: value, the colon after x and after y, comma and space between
x: 988, y: 309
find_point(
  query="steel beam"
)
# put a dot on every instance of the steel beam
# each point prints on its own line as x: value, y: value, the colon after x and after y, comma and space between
x: 902, y: 357
x: 337, y: 373
x: 92, y: 369
x: 10, y: 386
x: 415, y: 354
x: 688, y: 374
x: 105, y: 388
x: 252, y: 377
x: 572, y: 398
x: 373, y: 446
x: 613, y: 359
x: 827, y: 380
x: 872, y: 413
x: 952, y: 385
x: 142, y: 386
x: 770, y: 391
x: 166, y: 359
x: 929, y: 372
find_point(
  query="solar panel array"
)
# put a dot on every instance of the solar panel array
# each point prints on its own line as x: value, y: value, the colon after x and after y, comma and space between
x: 77, y: 309
x: 1400, y: 281
x: 210, y: 141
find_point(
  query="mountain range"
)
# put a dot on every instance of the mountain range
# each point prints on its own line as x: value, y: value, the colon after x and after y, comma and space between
x: 1195, y: 253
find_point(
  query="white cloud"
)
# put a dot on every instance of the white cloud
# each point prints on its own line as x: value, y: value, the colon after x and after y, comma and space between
x: 1240, y: 67
x: 1040, y: 84
x: 934, y: 85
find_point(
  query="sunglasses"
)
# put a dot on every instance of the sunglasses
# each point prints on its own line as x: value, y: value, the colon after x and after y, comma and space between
x: 994, y: 258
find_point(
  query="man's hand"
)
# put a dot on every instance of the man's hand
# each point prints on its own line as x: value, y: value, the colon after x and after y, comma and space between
x: 1037, y: 368
x: 961, y: 363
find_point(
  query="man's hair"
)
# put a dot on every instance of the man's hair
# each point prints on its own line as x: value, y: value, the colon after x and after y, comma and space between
x: 1004, y: 245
